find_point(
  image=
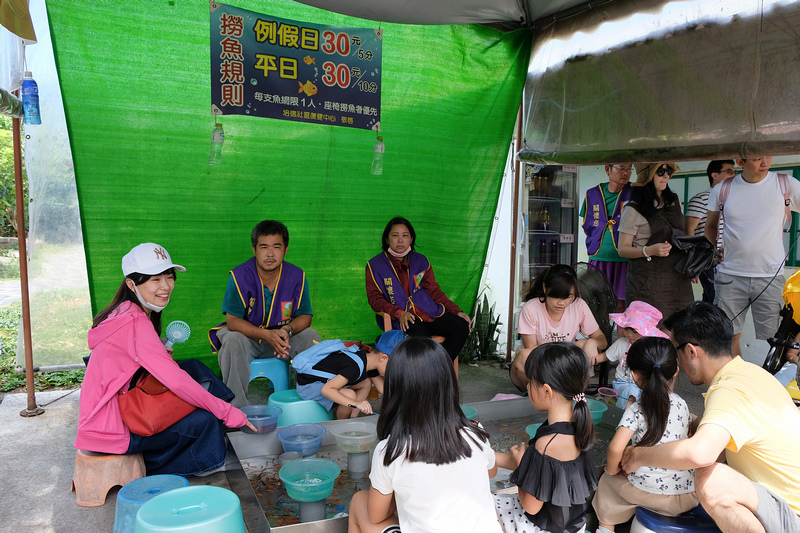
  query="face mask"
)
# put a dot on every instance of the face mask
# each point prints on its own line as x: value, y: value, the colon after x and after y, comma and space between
x: 148, y: 305
x: 401, y: 254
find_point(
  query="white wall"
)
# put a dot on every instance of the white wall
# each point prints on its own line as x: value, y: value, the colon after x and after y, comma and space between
x: 495, y: 279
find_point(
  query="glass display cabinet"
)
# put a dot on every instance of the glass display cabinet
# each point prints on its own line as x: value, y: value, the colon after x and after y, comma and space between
x: 550, y: 216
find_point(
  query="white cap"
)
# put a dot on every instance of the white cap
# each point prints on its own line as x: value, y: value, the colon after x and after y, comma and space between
x: 148, y: 258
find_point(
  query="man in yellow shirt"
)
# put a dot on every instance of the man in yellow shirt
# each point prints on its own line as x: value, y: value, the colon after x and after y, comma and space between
x: 748, y: 415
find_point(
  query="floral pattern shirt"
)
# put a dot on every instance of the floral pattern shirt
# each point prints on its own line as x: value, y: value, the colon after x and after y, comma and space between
x: 661, y: 480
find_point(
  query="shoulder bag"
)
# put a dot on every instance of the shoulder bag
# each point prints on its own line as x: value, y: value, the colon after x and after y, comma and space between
x: 149, y: 407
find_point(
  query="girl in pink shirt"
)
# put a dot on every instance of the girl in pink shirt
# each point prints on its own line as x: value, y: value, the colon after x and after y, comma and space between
x: 554, y: 312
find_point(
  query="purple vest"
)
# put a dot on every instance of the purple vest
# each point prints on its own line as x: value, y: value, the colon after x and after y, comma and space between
x: 285, y: 298
x: 386, y: 279
x: 596, y: 221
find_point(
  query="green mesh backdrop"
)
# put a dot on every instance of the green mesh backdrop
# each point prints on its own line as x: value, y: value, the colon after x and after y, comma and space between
x: 135, y: 81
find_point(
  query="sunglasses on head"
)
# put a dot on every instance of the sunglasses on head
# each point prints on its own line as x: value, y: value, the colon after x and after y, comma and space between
x: 665, y: 170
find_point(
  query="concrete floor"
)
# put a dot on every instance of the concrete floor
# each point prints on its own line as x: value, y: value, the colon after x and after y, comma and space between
x: 37, y: 458
x: 37, y: 455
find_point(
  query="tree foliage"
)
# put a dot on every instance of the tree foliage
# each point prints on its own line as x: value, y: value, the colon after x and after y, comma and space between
x: 8, y: 201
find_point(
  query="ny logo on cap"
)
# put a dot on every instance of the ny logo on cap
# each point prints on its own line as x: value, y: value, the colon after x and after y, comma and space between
x: 160, y: 253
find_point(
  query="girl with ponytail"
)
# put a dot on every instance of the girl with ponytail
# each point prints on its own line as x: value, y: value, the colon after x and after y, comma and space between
x: 658, y: 416
x: 554, y: 472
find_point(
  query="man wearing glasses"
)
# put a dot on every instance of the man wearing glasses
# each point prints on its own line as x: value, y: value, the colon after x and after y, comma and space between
x: 718, y: 171
x: 601, y: 211
x: 748, y: 416
x: 751, y: 273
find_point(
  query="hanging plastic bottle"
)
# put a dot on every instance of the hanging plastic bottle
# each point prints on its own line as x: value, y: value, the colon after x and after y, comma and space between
x: 377, y: 157
x: 30, y: 100
x: 217, y: 138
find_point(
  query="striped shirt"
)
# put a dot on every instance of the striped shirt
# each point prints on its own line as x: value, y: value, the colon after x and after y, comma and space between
x: 698, y: 207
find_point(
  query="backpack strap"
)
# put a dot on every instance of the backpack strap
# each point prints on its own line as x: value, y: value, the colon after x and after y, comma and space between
x: 783, y: 180
x: 304, y: 362
x: 724, y: 192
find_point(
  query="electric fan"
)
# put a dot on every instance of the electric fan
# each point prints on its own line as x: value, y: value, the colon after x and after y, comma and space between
x: 178, y: 331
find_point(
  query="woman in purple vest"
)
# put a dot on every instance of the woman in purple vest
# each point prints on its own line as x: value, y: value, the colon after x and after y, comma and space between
x: 403, y: 291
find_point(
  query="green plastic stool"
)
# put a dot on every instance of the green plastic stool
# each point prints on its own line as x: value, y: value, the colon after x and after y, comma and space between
x: 297, y: 410
x: 198, y: 509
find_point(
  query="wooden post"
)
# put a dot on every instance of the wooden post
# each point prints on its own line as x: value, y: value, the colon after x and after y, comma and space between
x: 514, y: 217
x: 32, y: 409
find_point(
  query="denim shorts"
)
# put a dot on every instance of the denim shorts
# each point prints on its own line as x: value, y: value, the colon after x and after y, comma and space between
x: 313, y: 391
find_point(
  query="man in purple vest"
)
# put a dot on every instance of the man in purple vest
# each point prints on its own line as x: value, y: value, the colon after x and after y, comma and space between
x: 267, y: 310
x: 600, y: 212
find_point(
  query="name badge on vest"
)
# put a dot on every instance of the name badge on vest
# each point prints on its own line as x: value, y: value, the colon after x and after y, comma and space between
x: 286, y: 310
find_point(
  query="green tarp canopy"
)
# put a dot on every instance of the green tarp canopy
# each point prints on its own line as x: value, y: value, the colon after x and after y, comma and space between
x: 135, y: 83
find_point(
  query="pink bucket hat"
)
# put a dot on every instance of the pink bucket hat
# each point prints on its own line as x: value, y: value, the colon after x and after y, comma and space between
x: 642, y: 317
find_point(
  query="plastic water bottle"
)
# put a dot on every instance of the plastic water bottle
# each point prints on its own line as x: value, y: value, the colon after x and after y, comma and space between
x: 377, y: 157
x: 217, y: 138
x: 30, y: 100
x: 340, y: 512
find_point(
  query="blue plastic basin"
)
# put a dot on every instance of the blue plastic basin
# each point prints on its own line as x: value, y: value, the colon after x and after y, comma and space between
x: 597, y: 409
x: 469, y: 411
x: 303, y: 438
x: 309, y: 479
x: 531, y: 430
x: 263, y: 417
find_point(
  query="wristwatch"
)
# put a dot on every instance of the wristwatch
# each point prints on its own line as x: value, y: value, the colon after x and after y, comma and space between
x: 291, y: 330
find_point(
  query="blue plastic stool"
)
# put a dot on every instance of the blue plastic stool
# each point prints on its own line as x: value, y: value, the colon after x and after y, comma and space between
x: 132, y: 496
x: 198, y: 509
x: 297, y: 410
x: 694, y: 521
x: 274, y: 369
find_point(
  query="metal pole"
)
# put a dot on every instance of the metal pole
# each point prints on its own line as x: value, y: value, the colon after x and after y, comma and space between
x: 33, y: 409
x: 515, y: 215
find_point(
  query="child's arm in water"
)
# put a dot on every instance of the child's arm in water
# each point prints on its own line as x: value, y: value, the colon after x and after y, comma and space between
x: 615, y: 449
x: 510, y: 460
x: 331, y: 391
x: 380, y: 506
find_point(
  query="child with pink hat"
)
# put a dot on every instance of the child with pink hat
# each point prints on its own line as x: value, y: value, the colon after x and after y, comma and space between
x: 640, y: 319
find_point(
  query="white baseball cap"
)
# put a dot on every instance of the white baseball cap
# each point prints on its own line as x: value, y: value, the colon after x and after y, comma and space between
x: 148, y: 258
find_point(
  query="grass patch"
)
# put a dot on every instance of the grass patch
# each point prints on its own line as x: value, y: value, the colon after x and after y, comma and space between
x: 59, y: 322
x: 9, y: 264
x: 9, y: 331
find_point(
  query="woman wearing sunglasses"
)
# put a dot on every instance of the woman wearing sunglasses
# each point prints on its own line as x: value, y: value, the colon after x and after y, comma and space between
x: 644, y: 237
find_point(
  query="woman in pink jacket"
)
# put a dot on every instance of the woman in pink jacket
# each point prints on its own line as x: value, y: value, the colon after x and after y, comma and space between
x: 124, y: 339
